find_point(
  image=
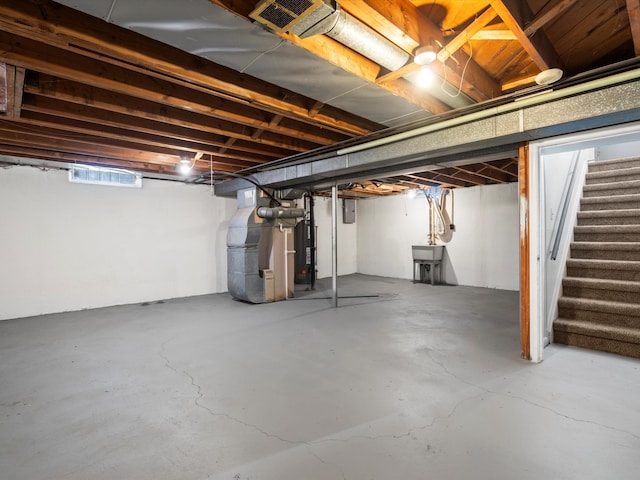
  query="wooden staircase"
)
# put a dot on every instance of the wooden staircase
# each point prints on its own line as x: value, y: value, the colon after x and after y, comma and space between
x: 600, y: 305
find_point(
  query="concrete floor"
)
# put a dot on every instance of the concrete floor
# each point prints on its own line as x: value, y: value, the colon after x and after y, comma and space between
x: 418, y: 382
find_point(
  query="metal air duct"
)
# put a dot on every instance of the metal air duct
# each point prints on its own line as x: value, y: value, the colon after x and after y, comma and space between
x: 280, y: 212
x: 306, y: 18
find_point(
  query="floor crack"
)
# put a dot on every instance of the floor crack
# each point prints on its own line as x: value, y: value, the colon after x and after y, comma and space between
x: 408, y: 433
x: 530, y: 402
x: 200, y: 395
x: 568, y: 417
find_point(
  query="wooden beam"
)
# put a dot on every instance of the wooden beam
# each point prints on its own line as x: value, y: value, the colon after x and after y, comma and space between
x: 402, y: 23
x: 183, y: 124
x: 397, y: 21
x: 503, y: 169
x: 408, y: 28
x: 82, y: 145
x: 449, y: 49
x: 483, y: 171
x: 524, y: 172
x: 59, y: 127
x: 426, y: 182
x: 508, y: 165
x: 633, y: 10
x: 514, y: 14
x: 91, y: 114
x: 3, y: 88
x: 465, y: 35
x: 54, y: 61
x: 227, y: 144
x: 449, y: 180
x: 401, y: 72
x: 457, y: 174
x: 550, y: 12
x: 65, y: 157
x: 501, y: 35
x: 518, y: 82
x: 354, y: 63
x: 313, y: 111
x: 15, y: 88
x: 72, y: 30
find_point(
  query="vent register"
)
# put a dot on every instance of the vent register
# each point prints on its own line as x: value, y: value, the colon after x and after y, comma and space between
x: 283, y: 15
x: 306, y: 18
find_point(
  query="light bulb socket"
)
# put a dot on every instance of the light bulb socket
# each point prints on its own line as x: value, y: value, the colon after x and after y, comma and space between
x: 425, y: 55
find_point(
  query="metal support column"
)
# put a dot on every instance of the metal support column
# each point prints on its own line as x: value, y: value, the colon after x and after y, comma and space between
x: 334, y: 245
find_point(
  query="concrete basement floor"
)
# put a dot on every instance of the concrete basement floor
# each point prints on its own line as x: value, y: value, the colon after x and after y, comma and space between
x: 418, y: 382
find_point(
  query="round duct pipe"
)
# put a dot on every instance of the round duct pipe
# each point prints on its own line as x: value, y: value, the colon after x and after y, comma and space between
x: 357, y: 36
x: 332, y: 21
x: 280, y: 212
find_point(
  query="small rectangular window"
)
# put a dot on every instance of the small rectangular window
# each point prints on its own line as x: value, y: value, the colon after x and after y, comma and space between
x: 104, y: 176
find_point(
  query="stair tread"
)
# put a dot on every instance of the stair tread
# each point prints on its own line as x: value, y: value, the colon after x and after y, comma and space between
x: 619, y: 264
x: 595, y: 329
x: 612, y: 228
x: 605, y: 245
x: 616, y: 198
x: 601, y: 306
x: 617, y: 172
x: 602, y: 284
x: 616, y: 161
x: 627, y: 212
x: 613, y: 185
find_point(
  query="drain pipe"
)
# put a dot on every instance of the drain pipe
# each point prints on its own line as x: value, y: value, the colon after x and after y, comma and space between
x: 312, y: 241
x: 334, y: 246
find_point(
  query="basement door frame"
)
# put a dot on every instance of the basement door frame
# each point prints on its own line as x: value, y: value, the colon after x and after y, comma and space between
x: 533, y: 224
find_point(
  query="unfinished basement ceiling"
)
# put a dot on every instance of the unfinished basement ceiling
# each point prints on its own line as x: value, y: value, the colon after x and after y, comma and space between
x: 142, y: 84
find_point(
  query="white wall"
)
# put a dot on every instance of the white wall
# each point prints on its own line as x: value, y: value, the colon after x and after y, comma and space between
x: 483, y: 252
x: 347, y: 239
x: 67, y: 247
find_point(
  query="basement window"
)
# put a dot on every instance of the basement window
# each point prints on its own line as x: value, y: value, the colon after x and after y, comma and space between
x: 114, y: 177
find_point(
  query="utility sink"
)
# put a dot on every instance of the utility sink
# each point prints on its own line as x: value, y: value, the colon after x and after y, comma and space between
x: 427, y: 252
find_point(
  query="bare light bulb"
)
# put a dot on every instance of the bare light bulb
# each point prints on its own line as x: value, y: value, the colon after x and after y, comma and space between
x: 425, y: 77
x: 185, y: 166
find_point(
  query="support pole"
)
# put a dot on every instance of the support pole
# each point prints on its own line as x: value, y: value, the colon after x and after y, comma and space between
x: 334, y: 246
x: 524, y: 173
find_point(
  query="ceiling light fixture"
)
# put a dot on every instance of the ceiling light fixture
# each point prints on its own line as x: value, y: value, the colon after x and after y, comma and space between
x: 549, y: 76
x: 185, y: 166
x: 425, y: 55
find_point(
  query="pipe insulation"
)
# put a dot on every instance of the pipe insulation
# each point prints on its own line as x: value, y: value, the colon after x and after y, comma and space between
x: 280, y: 212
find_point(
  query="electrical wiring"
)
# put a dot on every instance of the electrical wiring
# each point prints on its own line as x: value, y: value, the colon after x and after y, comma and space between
x: 211, y: 173
x: 464, y: 70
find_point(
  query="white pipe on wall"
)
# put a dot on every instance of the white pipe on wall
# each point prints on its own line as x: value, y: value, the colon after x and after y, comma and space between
x: 334, y: 245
